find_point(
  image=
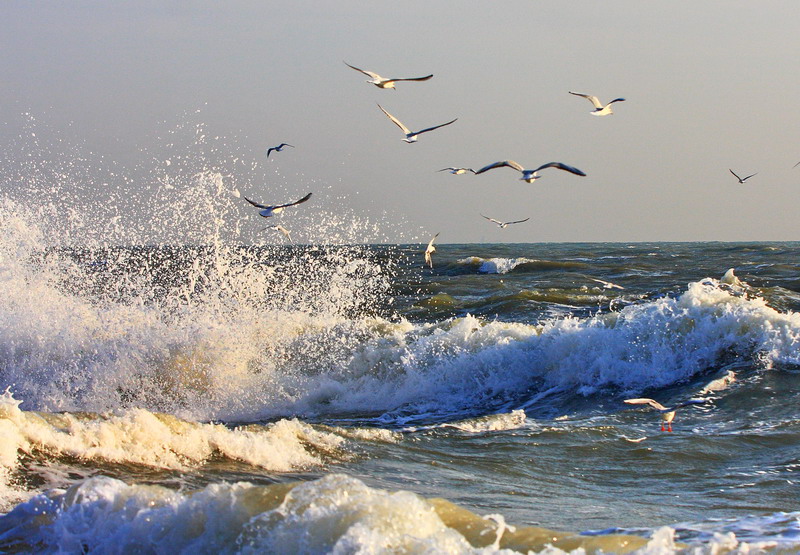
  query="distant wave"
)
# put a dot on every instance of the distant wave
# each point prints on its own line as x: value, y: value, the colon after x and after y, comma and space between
x: 506, y: 265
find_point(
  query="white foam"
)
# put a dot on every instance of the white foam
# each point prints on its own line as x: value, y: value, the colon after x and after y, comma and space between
x: 495, y: 265
x: 162, y: 441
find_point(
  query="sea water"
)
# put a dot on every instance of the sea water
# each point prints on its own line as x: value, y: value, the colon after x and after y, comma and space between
x: 186, y: 390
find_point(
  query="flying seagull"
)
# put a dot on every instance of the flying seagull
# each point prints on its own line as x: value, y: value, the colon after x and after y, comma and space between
x: 503, y: 225
x: 277, y: 148
x: 383, y: 82
x: 430, y: 250
x: 278, y: 227
x: 667, y: 413
x: 741, y: 179
x: 457, y: 171
x: 411, y: 137
x: 600, y: 108
x: 271, y: 210
x: 607, y: 284
x: 530, y: 175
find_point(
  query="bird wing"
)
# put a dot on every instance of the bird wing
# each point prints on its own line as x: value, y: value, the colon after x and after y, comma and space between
x: 492, y: 220
x: 734, y: 175
x: 434, y: 127
x: 269, y: 151
x: 414, y: 78
x: 797, y: 164
x: 655, y: 404
x: 593, y: 99
x: 508, y: 163
x: 430, y: 244
x: 256, y: 204
x: 748, y: 177
x: 447, y: 169
x: 617, y: 100
x: 560, y: 166
x: 285, y: 144
x: 396, y: 121
x: 365, y: 72
x: 301, y: 201
x: 518, y: 221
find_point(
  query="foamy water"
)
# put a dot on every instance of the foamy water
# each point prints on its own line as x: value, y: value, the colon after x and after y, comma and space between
x: 159, y: 380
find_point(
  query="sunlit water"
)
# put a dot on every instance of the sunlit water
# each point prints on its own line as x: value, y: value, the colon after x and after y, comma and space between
x: 177, y: 380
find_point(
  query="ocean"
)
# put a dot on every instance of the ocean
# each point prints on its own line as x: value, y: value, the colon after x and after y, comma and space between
x: 177, y: 378
x: 345, y: 398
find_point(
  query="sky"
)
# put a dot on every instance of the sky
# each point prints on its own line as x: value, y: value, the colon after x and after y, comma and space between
x: 709, y: 86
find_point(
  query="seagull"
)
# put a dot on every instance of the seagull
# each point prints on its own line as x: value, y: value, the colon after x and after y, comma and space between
x: 411, y: 137
x: 277, y: 148
x: 667, y: 413
x: 429, y: 250
x: 607, y: 284
x: 741, y: 179
x: 278, y: 227
x: 457, y: 171
x: 503, y: 225
x: 383, y: 82
x: 600, y: 108
x: 530, y: 175
x: 269, y: 211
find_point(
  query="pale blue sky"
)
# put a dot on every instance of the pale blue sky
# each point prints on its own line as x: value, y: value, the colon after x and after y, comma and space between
x: 709, y: 86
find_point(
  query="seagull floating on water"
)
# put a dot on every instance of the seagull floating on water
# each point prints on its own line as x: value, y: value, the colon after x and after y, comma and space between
x: 457, y: 171
x: 411, y: 136
x: 503, y: 225
x: 430, y: 250
x: 383, y: 82
x: 741, y: 179
x: 278, y: 227
x: 529, y: 175
x: 600, y: 108
x: 277, y: 148
x: 270, y: 210
x: 667, y: 413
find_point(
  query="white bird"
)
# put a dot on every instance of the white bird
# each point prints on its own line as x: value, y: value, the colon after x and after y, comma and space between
x: 667, y: 413
x: 270, y: 210
x: 529, y: 175
x: 607, y: 284
x: 411, y: 136
x: 277, y: 148
x: 383, y: 82
x: 600, y: 108
x: 278, y: 227
x: 430, y: 250
x: 457, y: 171
x: 741, y: 179
x: 504, y: 225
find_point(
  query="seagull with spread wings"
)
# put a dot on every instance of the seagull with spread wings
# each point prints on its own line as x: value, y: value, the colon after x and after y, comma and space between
x: 270, y: 210
x: 278, y: 148
x: 667, y: 413
x: 411, y: 136
x: 741, y: 179
x: 503, y: 225
x: 383, y: 82
x: 529, y: 175
x: 457, y: 171
x: 600, y: 109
